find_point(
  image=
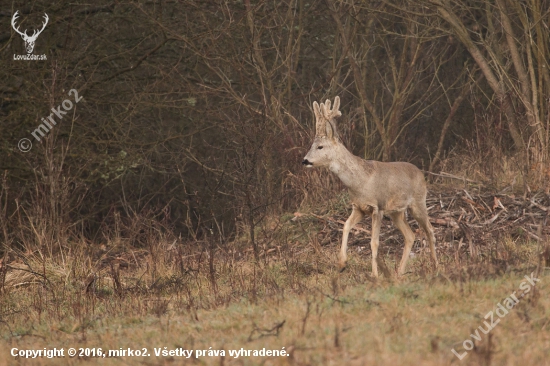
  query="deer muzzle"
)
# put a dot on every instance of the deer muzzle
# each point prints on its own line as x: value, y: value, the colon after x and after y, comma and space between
x: 307, y: 163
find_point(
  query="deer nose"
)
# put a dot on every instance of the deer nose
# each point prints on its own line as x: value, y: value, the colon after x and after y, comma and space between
x: 306, y: 162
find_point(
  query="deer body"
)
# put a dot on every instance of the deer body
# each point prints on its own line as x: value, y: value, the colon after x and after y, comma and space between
x: 376, y: 188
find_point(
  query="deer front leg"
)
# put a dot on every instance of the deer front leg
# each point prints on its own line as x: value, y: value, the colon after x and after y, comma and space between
x: 374, y: 242
x: 355, y: 217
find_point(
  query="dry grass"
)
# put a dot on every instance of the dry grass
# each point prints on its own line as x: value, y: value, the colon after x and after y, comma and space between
x: 142, y: 287
x: 491, y: 167
x: 173, y: 295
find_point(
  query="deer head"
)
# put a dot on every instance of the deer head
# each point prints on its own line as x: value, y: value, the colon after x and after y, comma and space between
x: 326, y: 142
x: 29, y: 40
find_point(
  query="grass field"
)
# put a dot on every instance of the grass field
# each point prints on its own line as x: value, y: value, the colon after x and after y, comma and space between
x: 314, y: 314
x: 218, y: 300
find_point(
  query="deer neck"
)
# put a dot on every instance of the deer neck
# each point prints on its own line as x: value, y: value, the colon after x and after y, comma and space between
x: 349, y: 169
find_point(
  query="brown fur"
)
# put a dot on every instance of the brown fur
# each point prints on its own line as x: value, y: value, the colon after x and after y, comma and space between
x: 376, y: 188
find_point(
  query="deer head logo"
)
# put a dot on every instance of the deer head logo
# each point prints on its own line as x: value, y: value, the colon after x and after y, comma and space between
x: 29, y: 40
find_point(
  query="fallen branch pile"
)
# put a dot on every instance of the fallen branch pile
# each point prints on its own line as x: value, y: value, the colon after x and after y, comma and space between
x: 474, y: 223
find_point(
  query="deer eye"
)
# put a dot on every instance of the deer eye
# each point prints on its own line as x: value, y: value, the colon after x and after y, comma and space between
x: 319, y: 147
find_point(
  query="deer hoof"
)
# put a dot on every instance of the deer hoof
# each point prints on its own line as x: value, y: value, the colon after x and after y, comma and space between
x: 342, y: 266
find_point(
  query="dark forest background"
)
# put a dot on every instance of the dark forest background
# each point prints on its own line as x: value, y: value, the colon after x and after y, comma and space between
x: 196, y: 114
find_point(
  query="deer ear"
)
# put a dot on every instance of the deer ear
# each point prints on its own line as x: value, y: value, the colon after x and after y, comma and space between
x: 319, y: 120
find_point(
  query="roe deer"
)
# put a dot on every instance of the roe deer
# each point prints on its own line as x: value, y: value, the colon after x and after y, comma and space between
x: 375, y: 188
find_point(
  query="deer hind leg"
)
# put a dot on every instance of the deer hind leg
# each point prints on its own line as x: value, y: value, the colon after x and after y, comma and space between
x: 398, y: 219
x: 374, y: 242
x: 420, y: 213
x: 354, y: 218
